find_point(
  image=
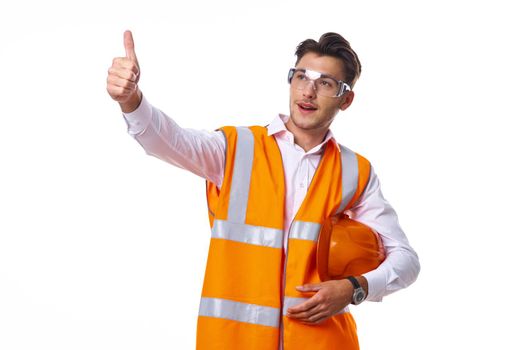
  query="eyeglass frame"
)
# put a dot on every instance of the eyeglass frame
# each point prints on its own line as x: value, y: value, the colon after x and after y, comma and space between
x: 343, y: 86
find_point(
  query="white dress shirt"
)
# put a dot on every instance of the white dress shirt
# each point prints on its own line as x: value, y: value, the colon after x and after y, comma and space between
x: 203, y: 153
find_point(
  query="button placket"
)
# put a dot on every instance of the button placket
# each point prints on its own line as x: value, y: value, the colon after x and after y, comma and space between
x: 303, y: 173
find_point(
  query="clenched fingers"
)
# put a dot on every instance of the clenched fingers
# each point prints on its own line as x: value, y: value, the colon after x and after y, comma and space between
x: 126, y: 63
x: 122, y: 73
x: 121, y: 82
x: 123, y: 77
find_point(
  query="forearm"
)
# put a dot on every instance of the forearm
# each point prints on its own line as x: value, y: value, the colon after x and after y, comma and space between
x: 201, y: 152
x: 399, y: 270
x: 401, y: 265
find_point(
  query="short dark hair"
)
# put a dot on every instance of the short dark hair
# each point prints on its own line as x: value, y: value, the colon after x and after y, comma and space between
x: 334, y: 45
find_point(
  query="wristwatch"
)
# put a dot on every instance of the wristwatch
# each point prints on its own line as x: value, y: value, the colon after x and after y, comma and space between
x: 359, y: 293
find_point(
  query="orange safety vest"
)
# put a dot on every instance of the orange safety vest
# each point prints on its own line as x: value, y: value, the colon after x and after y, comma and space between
x: 249, y: 282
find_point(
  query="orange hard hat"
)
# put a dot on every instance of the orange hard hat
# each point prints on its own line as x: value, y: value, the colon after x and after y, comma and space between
x: 347, y: 248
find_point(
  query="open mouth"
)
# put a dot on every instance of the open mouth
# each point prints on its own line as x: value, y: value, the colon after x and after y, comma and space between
x: 306, y: 107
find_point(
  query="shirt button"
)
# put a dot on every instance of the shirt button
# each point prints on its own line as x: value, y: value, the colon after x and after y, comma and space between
x: 301, y: 185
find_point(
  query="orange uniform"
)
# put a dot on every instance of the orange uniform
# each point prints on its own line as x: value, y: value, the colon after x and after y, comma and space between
x: 249, y: 282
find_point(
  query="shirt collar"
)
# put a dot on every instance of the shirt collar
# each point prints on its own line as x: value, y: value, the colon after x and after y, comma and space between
x: 278, y: 128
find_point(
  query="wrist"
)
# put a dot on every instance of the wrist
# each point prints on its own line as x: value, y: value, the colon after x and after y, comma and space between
x: 132, y: 103
x: 359, y: 289
x: 363, y: 282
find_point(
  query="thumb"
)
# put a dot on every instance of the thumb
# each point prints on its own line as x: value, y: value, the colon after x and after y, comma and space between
x: 129, y: 45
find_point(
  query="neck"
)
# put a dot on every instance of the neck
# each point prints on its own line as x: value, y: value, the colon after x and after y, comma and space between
x: 307, y: 139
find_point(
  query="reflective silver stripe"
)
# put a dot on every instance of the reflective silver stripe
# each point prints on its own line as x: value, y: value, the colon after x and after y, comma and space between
x: 291, y: 301
x: 258, y: 235
x: 350, y: 173
x: 242, y: 312
x: 305, y: 230
x: 242, y: 170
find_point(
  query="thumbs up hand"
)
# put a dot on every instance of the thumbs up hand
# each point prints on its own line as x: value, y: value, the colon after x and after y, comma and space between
x: 123, y: 77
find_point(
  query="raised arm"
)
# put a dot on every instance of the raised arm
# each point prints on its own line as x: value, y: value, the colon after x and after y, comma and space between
x: 201, y: 152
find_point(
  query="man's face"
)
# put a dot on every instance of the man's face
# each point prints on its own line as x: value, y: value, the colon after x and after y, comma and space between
x: 310, y: 111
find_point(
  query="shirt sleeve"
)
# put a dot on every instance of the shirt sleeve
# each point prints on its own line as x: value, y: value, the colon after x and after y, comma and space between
x: 401, y: 265
x: 199, y: 151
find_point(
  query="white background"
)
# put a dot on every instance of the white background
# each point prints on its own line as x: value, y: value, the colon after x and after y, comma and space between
x: 103, y: 247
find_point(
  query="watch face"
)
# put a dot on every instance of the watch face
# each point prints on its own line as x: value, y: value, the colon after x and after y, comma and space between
x: 359, y: 296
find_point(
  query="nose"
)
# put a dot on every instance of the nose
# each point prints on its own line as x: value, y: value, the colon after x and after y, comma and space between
x: 309, y: 90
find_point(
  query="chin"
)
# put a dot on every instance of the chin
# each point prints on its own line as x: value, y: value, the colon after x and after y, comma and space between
x: 303, y: 123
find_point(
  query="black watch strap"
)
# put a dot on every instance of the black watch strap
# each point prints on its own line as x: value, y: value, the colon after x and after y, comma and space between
x: 354, y: 281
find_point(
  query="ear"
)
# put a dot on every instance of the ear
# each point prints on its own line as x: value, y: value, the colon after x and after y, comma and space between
x: 347, y: 100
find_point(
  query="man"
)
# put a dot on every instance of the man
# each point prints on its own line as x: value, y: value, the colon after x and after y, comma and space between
x: 261, y: 287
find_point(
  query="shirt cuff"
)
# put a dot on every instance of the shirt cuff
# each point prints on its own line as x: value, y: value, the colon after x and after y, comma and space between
x: 376, y: 285
x: 139, y: 119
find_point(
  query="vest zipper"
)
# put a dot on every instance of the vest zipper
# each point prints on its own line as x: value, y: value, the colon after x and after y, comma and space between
x: 281, y: 328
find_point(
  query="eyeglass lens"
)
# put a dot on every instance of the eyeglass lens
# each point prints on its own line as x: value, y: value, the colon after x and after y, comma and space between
x: 324, y: 86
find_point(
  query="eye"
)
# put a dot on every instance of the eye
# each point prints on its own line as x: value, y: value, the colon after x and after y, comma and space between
x: 326, y: 83
x: 300, y: 76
